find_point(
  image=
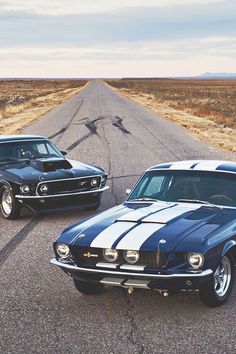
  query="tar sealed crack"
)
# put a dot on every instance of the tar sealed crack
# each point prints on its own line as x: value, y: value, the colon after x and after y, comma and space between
x: 133, y: 335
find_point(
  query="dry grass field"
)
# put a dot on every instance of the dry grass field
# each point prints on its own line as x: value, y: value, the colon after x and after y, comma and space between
x: 207, y: 107
x: 24, y: 101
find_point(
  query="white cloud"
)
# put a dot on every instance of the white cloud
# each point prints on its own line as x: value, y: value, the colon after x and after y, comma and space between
x: 151, y: 50
x: 146, y: 58
x: 137, y: 39
x: 63, y: 7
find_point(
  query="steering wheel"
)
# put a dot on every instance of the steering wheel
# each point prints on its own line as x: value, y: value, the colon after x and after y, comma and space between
x: 221, y: 197
x: 27, y: 154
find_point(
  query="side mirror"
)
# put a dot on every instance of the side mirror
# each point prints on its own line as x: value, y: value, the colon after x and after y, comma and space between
x: 128, y: 191
x: 64, y: 153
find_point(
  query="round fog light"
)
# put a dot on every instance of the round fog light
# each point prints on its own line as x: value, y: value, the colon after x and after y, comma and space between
x: 43, y: 188
x: 62, y: 250
x: 94, y: 182
x: 131, y: 256
x: 110, y: 254
x: 25, y: 189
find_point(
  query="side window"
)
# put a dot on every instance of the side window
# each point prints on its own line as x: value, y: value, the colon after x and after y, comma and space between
x: 42, y: 149
x: 154, y: 186
x: 51, y: 150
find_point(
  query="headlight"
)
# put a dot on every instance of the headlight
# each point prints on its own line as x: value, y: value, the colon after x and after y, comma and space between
x: 110, y: 255
x: 94, y: 182
x: 103, y: 181
x: 196, y: 260
x: 131, y: 256
x: 62, y: 250
x: 25, y: 189
x: 43, y: 188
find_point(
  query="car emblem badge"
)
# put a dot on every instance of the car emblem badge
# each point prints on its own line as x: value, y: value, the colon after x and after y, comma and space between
x: 82, y: 183
x: 81, y: 236
x: 90, y: 255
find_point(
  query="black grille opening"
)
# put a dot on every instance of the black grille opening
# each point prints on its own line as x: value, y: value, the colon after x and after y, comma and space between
x: 91, y: 256
x: 71, y: 185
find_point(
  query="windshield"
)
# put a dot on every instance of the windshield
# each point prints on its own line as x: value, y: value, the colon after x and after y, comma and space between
x: 22, y: 150
x: 187, y: 186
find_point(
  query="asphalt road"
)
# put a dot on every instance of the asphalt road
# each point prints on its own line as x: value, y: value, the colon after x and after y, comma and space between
x: 41, y: 311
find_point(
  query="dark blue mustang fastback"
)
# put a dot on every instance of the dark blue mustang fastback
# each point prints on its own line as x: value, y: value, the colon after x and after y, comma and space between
x: 175, y: 232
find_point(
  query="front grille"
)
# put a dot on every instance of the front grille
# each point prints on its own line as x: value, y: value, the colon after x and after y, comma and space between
x: 70, y: 185
x: 153, y: 259
x: 86, y: 256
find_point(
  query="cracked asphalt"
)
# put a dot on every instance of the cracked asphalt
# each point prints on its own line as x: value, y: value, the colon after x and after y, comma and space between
x: 41, y: 311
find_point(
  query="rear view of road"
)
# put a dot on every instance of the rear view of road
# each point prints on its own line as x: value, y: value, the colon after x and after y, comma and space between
x: 41, y: 312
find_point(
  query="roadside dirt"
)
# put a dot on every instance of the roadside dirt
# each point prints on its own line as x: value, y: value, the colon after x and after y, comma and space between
x: 15, y: 116
x: 208, y: 130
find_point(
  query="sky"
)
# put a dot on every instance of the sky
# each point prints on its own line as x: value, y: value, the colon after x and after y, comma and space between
x: 111, y: 38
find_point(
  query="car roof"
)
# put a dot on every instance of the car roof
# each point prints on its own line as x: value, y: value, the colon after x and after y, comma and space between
x: 6, y: 138
x: 198, y: 165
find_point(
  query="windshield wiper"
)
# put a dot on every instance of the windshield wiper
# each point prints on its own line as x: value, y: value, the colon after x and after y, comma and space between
x: 11, y: 160
x: 193, y: 201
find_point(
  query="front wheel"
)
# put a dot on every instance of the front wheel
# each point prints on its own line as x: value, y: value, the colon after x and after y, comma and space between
x: 10, y: 207
x: 87, y: 288
x: 217, y: 291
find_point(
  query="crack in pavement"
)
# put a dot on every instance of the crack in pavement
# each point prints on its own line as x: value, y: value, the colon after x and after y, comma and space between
x: 108, y: 150
x: 135, y: 340
x: 158, y: 139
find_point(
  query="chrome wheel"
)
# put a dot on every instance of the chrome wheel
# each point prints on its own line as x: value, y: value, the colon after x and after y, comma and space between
x: 222, y: 277
x: 7, y: 202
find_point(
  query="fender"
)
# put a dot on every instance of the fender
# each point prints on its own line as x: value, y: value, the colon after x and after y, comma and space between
x: 2, y: 183
x: 227, y: 247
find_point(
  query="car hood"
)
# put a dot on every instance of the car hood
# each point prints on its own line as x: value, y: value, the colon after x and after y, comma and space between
x: 35, y: 170
x: 159, y: 226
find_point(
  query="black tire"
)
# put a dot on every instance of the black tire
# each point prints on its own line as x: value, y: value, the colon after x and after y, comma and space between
x: 10, y: 207
x: 87, y: 288
x: 214, y: 294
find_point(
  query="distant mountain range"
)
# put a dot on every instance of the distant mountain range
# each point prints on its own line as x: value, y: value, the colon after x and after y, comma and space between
x: 216, y: 75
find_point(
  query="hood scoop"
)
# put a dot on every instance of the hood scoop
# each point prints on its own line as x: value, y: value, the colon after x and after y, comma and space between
x: 50, y: 165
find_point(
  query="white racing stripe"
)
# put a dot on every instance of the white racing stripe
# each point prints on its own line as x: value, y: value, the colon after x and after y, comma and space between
x: 136, y: 237
x: 182, y: 165
x: 168, y: 214
x: 86, y: 224
x: 142, y: 212
x: 107, y: 237
x: 208, y: 165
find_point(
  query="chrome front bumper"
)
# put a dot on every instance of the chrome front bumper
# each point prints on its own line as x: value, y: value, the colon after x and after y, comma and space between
x: 74, y: 268
x: 23, y: 197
